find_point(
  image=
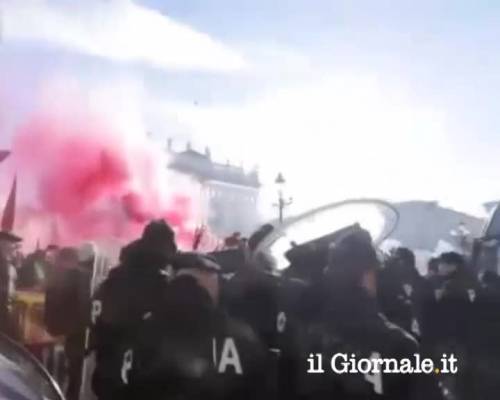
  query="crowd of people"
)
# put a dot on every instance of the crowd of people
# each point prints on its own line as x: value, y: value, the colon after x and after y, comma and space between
x: 168, y: 324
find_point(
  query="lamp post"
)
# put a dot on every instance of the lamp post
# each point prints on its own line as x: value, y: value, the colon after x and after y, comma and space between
x: 282, y: 203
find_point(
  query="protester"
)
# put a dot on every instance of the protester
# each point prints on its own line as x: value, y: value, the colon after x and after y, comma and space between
x: 51, y: 253
x: 34, y: 272
x: 131, y: 291
x: 76, y: 341
x: 8, y: 275
x: 66, y: 312
x: 60, y: 297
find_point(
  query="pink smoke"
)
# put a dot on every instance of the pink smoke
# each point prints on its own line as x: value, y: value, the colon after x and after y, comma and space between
x: 95, y: 183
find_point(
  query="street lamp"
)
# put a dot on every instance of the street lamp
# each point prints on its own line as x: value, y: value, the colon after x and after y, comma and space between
x: 282, y: 203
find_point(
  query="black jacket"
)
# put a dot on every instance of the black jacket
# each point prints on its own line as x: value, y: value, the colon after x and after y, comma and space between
x: 66, y: 302
x: 131, y: 291
x: 352, y: 324
x: 188, y: 349
x: 252, y: 295
x: 455, y: 296
x: 279, y: 310
x: 405, y: 298
x: 484, y: 358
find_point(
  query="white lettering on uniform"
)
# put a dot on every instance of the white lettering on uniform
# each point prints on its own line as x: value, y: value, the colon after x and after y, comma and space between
x: 128, y: 358
x: 229, y: 357
x: 214, y: 351
x: 415, y: 327
x: 472, y: 295
x: 96, y: 310
x: 281, y: 322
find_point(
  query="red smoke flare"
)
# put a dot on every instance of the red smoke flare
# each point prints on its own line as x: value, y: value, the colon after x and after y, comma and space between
x: 96, y: 183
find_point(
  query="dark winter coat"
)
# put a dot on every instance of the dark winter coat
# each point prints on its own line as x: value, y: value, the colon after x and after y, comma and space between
x: 188, y: 349
x: 131, y: 291
x: 352, y: 324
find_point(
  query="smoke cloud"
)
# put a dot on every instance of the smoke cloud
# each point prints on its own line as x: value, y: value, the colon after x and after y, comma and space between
x: 85, y: 177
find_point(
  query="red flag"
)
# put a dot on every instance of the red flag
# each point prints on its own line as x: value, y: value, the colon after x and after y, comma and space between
x: 9, y: 212
x: 4, y: 154
x: 198, y: 235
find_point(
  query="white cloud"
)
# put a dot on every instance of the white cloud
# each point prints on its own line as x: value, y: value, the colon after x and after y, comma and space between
x: 118, y: 30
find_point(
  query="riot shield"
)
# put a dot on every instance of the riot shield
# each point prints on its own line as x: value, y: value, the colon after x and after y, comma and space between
x: 378, y: 217
x: 486, y: 249
x: 100, y: 269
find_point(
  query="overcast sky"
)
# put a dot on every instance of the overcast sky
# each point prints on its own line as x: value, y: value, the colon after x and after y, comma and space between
x: 393, y: 99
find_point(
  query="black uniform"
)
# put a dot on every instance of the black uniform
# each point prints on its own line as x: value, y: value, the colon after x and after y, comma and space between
x: 277, y: 309
x: 405, y: 297
x: 189, y: 349
x: 131, y: 291
x: 282, y: 309
x: 484, y: 358
x: 454, y: 318
x: 350, y: 323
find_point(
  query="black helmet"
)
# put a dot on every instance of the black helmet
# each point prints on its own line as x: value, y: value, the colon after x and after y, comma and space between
x: 352, y: 256
x: 159, y: 233
x: 453, y: 258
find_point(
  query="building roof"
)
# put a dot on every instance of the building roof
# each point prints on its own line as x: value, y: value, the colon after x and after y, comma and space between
x: 203, y: 168
x: 423, y: 224
x: 490, y: 205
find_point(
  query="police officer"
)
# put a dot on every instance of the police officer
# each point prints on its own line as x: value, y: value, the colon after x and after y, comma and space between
x: 252, y: 295
x: 485, y: 344
x: 455, y: 296
x: 190, y: 348
x: 352, y: 324
x: 302, y: 294
x: 453, y: 316
x: 404, y: 295
x: 132, y: 291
